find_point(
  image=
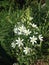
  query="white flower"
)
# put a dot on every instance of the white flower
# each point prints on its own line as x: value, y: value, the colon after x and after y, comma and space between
x: 40, y: 37
x: 27, y: 32
x: 13, y: 45
x: 26, y: 50
x: 19, y: 42
x: 33, y: 25
x: 21, y: 29
x: 15, y: 29
x: 33, y: 40
x: 19, y: 33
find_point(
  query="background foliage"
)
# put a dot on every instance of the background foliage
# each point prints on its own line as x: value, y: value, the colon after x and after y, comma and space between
x: 10, y: 13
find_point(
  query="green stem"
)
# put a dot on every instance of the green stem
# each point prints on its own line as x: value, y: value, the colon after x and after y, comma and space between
x: 39, y: 8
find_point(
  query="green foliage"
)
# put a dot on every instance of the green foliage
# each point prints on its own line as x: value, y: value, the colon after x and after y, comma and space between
x: 11, y: 12
x: 47, y: 3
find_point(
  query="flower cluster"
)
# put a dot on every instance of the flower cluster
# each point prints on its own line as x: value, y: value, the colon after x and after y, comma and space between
x: 26, y: 36
x: 22, y: 30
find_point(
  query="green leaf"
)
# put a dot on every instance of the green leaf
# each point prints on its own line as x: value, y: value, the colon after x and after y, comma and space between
x: 47, y: 3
